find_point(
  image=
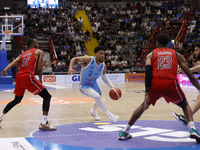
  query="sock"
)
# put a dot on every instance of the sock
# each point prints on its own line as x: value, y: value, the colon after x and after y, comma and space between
x: 126, y: 129
x: 44, y: 119
x: 191, y: 124
x: 1, y: 115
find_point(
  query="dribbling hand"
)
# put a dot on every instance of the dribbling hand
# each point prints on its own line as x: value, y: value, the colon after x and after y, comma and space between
x: 3, y: 73
x: 71, y: 71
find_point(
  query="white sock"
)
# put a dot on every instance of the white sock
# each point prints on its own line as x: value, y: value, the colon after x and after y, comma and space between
x: 92, y: 93
x: 44, y: 119
x: 191, y: 124
x: 1, y: 115
x: 126, y: 129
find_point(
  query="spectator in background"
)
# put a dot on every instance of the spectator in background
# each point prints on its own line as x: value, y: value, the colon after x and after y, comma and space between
x: 79, y: 67
x: 137, y: 66
x: 66, y: 47
x: 54, y: 67
x: 46, y: 68
x: 60, y: 63
x: 87, y: 35
x: 108, y: 67
x: 64, y: 68
x: 78, y: 53
x: 132, y: 67
x: 85, y: 52
x: 63, y: 54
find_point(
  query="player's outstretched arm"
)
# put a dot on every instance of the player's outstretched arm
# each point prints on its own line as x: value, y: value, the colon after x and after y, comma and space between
x: 187, y: 71
x: 83, y: 59
x: 195, y: 69
x: 13, y: 63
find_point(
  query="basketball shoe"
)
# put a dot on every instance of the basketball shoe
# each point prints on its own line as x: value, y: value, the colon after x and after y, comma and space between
x: 94, y: 114
x: 47, y: 127
x: 194, y: 134
x: 181, y: 119
x: 112, y: 117
x: 124, y: 135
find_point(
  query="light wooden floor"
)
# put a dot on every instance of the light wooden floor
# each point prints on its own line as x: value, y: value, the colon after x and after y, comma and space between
x: 24, y: 119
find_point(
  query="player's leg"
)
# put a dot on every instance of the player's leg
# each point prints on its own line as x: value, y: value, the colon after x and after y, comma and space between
x: 10, y: 105
x: 45, y: 125
x: 94, y: 92
x: 154, y: 96
x: 19, y: 93
x: 188, y: 114
x: 37, y: 88
x: 124, y: 134
x: 98, y: 100
x: 196, y: 105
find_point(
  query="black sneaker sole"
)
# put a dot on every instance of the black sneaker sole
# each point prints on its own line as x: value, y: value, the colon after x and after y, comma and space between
x: 195, y: 137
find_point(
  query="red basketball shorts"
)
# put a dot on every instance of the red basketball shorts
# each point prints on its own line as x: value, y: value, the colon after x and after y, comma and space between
x: 29, y: 82
x: 168, y: 89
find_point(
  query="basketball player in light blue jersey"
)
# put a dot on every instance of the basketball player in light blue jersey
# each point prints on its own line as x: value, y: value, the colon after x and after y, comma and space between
x: 93, y: 67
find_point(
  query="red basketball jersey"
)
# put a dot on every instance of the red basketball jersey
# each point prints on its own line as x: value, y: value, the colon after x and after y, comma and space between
x: 28, y: 62
x: 164, y: 64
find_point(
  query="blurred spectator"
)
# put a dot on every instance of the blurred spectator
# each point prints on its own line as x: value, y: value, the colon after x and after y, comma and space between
x: 108, y: 67
x: 60, y: 63
x: 46, y: 68
x: 113, y: 62
x: 66, y: 47
x: 64, y: 68
x: 79, y: 67
x: 124, y: 62
x: 138, y: 66
x: 132, y: 67
x: 63, y: 54
x: 78, y: 53
x: 85, y: 52
x: 87, y: 35
x: 54, y: 67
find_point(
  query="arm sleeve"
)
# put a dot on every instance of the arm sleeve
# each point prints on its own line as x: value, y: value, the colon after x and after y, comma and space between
x: 107, y: 81
x: 148, y: 77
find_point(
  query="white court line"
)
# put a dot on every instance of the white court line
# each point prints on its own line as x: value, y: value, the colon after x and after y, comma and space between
x: 55, y: 86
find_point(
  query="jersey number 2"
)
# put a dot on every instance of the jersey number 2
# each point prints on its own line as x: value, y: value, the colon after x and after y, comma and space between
x: 164, y: 62
x: 25, y: 61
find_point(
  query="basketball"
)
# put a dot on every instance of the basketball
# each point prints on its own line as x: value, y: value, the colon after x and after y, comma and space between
x: 115, y: 93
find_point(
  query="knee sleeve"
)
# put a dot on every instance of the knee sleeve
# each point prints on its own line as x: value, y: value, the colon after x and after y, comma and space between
x: 16, y: 101
x: 46, y: 99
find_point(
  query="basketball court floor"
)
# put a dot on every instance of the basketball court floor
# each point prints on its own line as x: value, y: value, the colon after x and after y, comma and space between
x: 77, y: 129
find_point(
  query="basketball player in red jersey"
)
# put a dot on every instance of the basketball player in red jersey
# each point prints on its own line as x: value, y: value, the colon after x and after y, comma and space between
x: 161, y: 81
x: 31, y: 62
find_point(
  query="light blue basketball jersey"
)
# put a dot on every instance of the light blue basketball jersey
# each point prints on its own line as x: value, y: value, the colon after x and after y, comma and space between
x: 91, y: 72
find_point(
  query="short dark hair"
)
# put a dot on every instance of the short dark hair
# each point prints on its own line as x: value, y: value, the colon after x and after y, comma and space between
x: 163, y: 39
x: 197, y: 45
x: 30, y: 41
x: 98, y: 48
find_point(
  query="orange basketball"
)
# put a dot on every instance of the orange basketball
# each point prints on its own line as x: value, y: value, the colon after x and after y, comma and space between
x: 115, y: 93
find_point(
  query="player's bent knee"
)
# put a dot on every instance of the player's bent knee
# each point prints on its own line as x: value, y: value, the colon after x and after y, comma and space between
x: 183, y: 103
x: 17, y: 99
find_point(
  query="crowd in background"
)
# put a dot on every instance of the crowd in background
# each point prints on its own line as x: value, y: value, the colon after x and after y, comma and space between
x: 123, y: 30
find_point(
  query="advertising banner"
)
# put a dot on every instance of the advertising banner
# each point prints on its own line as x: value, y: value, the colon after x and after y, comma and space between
x: 134, y: 77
